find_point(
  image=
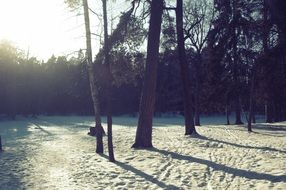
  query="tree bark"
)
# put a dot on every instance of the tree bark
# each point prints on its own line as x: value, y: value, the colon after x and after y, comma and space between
x: 265, y: 49
x: 146, y: 110
x: 1, y: 149
x: 92, y: 81
x: 108, y: 83
x: 251, y: 100
x: 237, y: 111
x: 227, y: 110
x: 189, y: 115
x: 268, y: 105
x: 253, y: 115
x: 227, y: 115
x: 197, y: 90
x: 236, y: 86
x: 237, y: 106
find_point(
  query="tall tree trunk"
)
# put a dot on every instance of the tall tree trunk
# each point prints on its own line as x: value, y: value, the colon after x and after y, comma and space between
x: 189, y: 116
x: 251, y: 100
x: 108, y: 83
x: 227, y: 114
x: 268, y: 105
x: 237, y: 110
x: 146, y: 110
x: 237, y: 106
x: 227, y: 109
x: 1, y: 149
x: 265, y: 49
x: 92, y: 81
x: 253, y: 115
x: 197, y: 90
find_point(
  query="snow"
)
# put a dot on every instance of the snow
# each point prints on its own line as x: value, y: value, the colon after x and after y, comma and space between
x: 56, y: 153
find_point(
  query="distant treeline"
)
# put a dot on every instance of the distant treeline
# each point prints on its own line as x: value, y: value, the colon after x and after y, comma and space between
x: 60, y: 86
x: 235, y: 52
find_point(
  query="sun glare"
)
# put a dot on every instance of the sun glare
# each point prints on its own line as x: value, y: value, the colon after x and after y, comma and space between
x: 42, y: 26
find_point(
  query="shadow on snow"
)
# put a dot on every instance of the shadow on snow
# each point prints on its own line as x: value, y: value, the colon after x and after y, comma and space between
x: 264, y: 148
x: 220, y: 167
x: 142, y: 174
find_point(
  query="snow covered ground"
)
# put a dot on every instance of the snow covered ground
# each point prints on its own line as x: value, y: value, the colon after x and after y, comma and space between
x: 57, y: 153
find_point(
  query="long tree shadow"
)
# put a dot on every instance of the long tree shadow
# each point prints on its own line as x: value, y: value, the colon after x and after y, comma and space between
x: 268, y: 134
x: 264, y: 148
x: 142, y: 174
x: 220, y: 167
x: 56, y: 123
x: 37, y: 126
x: 271, y: 127
x: 279, y: 130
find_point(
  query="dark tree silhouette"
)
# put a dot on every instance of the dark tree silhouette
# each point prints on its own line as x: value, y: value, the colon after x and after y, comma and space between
x: 189, y: 116
x: 1, y: 149
x: 197, y: 24
x: 108, y: 83
x: 146, y: 110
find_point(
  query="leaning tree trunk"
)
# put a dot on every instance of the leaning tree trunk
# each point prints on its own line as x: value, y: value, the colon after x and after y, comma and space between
x: 108, y: 83
x: 189, y: 116
x: 144, y: 130
x: 92, y: 82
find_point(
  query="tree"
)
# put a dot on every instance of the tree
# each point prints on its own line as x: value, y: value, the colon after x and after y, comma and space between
x: 265, y: 31
x: 1, y: 149
x: 235, y: 14
x: 108, y: 82
x: 146, y: 110
x: 198, y: 17
x: 10, y: 78
x: 189, y: 117
x: 227, y: 36
x: 276, y: 60
x: 92, y: 81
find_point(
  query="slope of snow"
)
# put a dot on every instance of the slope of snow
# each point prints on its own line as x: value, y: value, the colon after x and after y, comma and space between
x: 57, y: 153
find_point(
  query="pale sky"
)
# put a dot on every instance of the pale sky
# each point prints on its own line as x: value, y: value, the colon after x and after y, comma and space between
x: 45, y: 27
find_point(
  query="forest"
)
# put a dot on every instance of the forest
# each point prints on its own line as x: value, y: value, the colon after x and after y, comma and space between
x: 234, y: 53
x: 162, y: 59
